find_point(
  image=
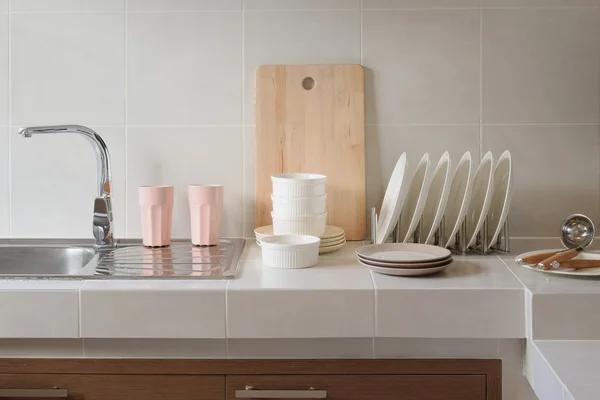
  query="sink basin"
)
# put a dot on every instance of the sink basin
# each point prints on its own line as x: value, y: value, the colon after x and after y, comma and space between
x: 43, y: 260
x: 78, y: 259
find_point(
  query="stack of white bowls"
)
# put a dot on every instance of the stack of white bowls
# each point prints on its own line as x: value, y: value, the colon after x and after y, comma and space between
x: 299, y: 204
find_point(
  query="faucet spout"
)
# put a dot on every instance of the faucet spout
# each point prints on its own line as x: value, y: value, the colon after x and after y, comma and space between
x: 103, y: 217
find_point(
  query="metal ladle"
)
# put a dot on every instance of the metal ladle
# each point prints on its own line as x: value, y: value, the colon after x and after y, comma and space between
x: 577, y: 232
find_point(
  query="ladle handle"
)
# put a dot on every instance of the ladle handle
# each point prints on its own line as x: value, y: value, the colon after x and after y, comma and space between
x: 536, y: 258
x: 577, y: 264
x: 559, y: 257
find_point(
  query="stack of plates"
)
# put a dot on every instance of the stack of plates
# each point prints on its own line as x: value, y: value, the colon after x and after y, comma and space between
x: 333, y: 239
x: 404, y: 259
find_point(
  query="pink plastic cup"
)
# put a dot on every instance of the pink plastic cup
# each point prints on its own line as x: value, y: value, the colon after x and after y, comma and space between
x: 156, y: 204
x: 206, y: 207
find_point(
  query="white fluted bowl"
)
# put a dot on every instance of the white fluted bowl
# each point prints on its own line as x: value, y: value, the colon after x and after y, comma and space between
x: 298, y: 185
x: 313, y: 225
x: 290, y: 207
x: 290, y: 251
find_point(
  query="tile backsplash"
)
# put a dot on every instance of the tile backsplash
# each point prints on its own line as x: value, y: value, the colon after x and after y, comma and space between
x: 169, y: 84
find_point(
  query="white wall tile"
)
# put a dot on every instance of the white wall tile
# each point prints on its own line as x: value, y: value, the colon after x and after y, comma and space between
x: 183, y: 5
x: 153, y: 310
x: 62, y: 171
x: 385, y: 144
x: 155, y: 348
x: 41, y: 348
x: 67, y: 5
x: 184, y: 68
x: 301, y: 4
x: 4, y: 183
x: 68, y: 68
x: 419, y: 4
x: 52, y: 313
x: 545, y: 383
x: 181, y: 156
x: 301, y: 348
x: 282, y: 309
x: 540, y: 3
x: 435, y: 348
x: 541, y: 65
x: 249, y: 181
x: 3, y: 5
x: 423, y: 66
x: 3, y: 67
x: 546, y: 191
x: 302, y: 37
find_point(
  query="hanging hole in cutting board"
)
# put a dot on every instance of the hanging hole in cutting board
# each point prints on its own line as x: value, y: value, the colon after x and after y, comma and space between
x: 308, y: 83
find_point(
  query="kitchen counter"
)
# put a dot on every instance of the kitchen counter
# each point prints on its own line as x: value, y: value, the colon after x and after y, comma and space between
x: 483, y: 306
x: 478, y: 297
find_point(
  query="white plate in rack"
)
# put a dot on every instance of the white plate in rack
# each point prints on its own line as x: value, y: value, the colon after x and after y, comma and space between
x: 433, y: 212
x: 503, y: 183
x: 458, y: 199
x: 415, y: 199
x: 481, y: 197
x: 393, y: 201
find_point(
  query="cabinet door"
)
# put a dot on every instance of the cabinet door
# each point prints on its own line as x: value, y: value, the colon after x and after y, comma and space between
x: 357, y: 387
x: 112, y: 387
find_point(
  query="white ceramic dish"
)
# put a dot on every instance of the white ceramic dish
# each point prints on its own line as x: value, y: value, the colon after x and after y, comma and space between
x: 439, y: 190
x: 290, y: 251
x: 393, y: 201
x: 445, y: 261
x: 503, y: 183
x: 458, y: 198
x: 298, y: 185
x: 415, y: 199
x: 403, y: 253
x: 329, y: 249
x: 585, y: 255
x: 299, y: 206
x: 481, y: 197
x: 332, y: 233
x: 332, y: 242
x: 313, y: 225
x: 406, y: 271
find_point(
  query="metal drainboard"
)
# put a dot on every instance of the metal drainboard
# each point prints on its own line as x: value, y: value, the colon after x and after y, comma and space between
x: 180, y: 260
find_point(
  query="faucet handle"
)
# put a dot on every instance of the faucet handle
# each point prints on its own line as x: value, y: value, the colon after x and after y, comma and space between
x: 103, y: 222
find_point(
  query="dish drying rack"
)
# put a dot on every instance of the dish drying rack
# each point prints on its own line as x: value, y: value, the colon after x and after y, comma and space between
x: 460, y: 241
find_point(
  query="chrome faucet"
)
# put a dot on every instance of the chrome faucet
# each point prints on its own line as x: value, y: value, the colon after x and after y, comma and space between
x: 103, y: 217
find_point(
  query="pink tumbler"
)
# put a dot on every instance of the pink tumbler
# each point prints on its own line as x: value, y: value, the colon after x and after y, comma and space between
x: 206, y: 207
x: 156, y: 203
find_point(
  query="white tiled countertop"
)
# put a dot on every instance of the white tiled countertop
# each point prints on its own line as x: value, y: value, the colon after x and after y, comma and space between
x: 478, y: 297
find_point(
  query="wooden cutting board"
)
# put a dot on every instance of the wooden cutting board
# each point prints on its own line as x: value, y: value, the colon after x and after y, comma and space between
x: 310, y: 118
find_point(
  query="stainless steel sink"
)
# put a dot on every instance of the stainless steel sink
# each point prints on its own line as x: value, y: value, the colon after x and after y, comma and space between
x: 46, y: 261
x: 127, y: 260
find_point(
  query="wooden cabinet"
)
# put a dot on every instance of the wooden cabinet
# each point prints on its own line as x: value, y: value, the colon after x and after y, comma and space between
x: 112, y: 387
x: 147, y: 379
x: 358, y: 387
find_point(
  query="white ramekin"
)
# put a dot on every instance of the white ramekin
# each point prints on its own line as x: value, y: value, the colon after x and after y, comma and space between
x: 298, y: 185
x: 313, y: 225
x: 290, y: 207
x: 290, y: 251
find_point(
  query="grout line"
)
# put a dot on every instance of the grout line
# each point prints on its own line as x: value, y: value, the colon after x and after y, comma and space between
x: 126, y: 118
x: 361, y: 31
x: 243, y: 116
x: 480, y: 83
x: 9, y: 118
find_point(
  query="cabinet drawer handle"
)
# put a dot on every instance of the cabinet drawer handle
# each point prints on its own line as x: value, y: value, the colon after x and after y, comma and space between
x: 34, y: 393
x: 250, y: 393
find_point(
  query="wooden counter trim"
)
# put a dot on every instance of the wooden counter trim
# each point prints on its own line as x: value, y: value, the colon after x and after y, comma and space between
x: 250, y: 367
